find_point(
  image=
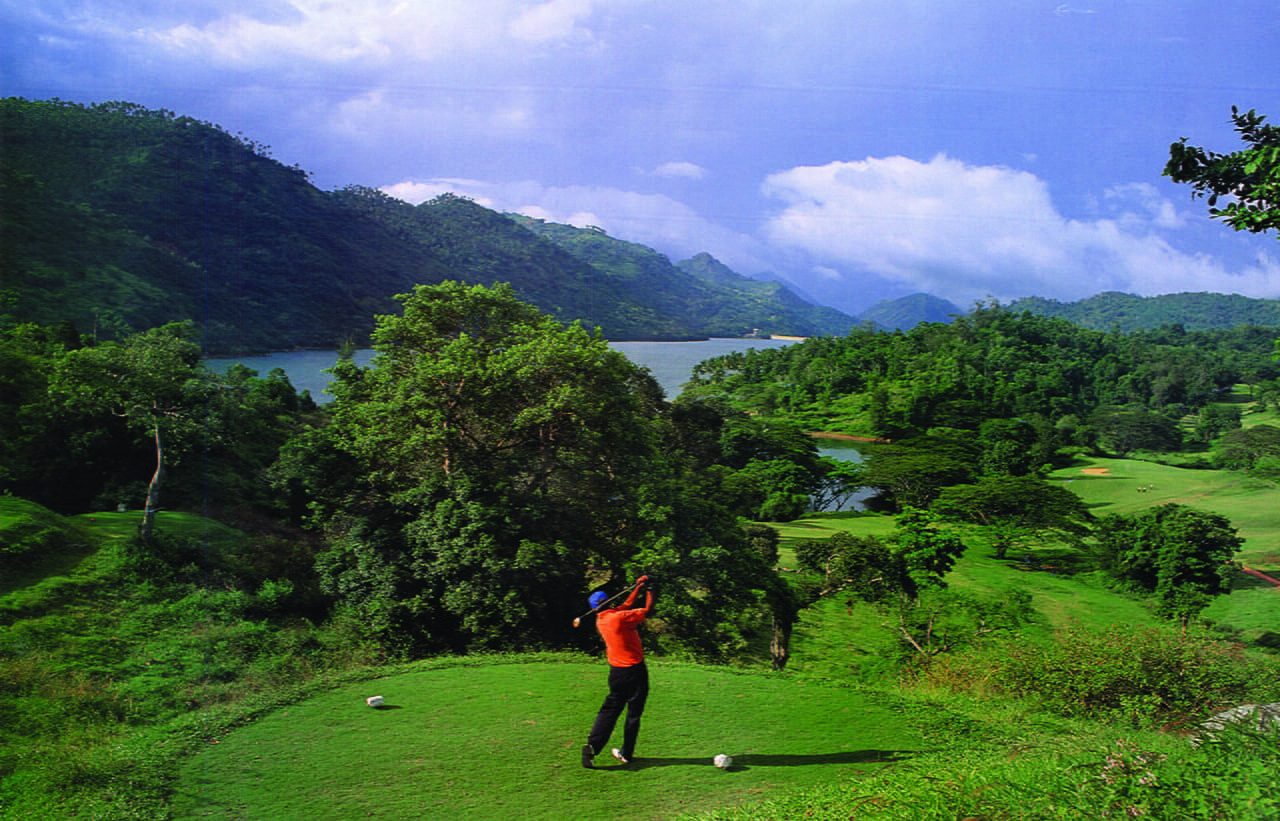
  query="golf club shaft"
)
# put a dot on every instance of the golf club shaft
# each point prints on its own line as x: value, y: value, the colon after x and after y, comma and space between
x: 606, y: 601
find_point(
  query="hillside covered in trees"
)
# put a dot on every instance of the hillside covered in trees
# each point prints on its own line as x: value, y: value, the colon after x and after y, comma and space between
x: 1129, y: 312
x: 1071, y: 385
x: 117, y: 219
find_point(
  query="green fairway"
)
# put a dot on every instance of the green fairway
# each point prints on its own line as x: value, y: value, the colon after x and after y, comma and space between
x: 504, y: 741
x: 1127, y: 486
x: 1253, y: 507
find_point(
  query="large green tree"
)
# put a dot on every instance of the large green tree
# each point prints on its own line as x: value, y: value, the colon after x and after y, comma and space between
x: 1015, y: 508
x: 1124, y: 429
x: 491, y: 466
x: 912, y: 472
x: 153, y: 381
x: 1179, y: 555
x: 1244, y: 448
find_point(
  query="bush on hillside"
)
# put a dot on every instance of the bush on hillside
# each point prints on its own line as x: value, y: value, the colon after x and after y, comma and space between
x: 1158, y: 675
x: 1235, y: 775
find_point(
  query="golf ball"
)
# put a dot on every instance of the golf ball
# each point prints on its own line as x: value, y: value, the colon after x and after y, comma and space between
x: 723, y: 761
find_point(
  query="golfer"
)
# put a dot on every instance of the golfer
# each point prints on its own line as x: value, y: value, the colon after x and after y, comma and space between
x: 628, y: 677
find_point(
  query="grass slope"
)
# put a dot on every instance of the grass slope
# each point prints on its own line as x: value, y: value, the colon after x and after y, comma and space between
x: 502, y: 741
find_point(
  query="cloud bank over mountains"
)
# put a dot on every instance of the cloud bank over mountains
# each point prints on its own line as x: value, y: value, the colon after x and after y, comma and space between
x: 863, y: 150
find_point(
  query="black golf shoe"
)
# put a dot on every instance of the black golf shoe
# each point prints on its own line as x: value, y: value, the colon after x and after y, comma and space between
x: 587, y: 755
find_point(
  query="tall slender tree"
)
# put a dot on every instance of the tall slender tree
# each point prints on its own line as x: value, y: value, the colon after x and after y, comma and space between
x: 153, y: 380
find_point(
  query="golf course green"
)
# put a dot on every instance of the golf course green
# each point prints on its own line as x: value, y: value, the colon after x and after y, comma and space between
x: 502, y: 741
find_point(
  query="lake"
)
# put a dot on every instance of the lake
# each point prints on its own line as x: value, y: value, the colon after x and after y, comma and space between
x: 671, y: 363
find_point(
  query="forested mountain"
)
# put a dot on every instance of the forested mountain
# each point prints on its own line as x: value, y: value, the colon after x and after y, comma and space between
x: 792, y: 310
x: 909, y: 311
x: 1128, y: 312
x: 724, y: 302
x: 118, y: 218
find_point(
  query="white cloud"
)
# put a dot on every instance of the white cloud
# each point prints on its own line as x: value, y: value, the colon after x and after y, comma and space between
x: 366, y: 32
x: 551, y: 21
x: 680, y: 170
x: 419, y: 192
x: 965, y: 232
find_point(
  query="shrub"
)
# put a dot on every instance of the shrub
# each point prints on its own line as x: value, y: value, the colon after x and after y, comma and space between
x: 1158, y: 674
x: 1235, y: 775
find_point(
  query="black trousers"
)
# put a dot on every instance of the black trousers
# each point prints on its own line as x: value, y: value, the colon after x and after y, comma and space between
x: 628, y: 687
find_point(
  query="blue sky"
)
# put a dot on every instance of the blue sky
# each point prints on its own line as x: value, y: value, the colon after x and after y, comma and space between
x: 861, y: 150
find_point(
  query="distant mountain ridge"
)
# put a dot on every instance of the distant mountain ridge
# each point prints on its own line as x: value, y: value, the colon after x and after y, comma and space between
x: 1103, y: 312
x: 1194, y: 311
x: 698, y: 287
x: 118, y: 218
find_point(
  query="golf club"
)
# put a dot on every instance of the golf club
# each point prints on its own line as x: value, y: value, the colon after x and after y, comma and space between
x: 603, y: 603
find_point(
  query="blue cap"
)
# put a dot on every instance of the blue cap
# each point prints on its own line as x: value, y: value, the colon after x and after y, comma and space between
x: 597, y: 598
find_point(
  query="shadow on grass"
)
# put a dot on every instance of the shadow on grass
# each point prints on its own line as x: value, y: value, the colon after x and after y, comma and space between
x: 746, y: 762
x: 803, y: 524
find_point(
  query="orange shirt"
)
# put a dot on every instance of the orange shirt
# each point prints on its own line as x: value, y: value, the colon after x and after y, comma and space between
x: 618, y: 628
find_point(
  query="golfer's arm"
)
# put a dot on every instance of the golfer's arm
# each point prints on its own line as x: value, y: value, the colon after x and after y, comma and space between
x: 648, y: 603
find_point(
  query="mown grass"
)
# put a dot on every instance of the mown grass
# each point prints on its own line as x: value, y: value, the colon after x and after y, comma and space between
x: 1127, y: 486
x: 502, y: 740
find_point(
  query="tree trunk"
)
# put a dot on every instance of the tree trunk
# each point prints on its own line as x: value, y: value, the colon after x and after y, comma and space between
x: 148, y: 525
x: 780, y: 645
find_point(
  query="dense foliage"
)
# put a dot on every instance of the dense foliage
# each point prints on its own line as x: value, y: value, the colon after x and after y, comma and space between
x: 1064, y: 383
x: 1128, y: 313
x: 1180, y: 555
x: 90, y: 425
x: 491, y: 467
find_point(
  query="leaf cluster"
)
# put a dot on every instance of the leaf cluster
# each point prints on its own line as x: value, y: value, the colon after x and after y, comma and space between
x: 1248, y: 178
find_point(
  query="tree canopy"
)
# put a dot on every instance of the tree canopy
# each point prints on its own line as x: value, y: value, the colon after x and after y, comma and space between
x: 1012, y: 508
x: 493, y: 466
x: 1181, y: 555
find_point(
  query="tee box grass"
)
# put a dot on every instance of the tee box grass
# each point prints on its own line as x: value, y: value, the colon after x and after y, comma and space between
x: 501, y: 741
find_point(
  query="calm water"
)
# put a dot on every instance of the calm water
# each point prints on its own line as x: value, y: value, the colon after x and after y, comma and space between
x: 670, y: 362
